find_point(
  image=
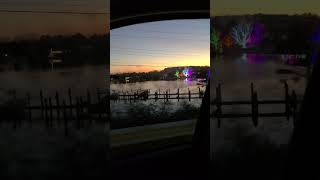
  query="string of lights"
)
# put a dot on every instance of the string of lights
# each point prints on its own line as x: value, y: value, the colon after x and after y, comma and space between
x: 158, y: 38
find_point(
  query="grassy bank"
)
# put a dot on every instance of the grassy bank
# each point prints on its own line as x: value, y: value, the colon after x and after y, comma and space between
x: 139, y: 114
x: 39, y: 153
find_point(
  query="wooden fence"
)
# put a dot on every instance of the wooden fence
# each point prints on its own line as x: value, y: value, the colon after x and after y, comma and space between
x: 165, y: 95
x: 290, y: 103
x: 63, y: 111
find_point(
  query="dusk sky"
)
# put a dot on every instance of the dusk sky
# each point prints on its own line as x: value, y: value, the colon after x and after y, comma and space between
x: 156, y: 45
x: 236, y: 7
x: 26, y: 23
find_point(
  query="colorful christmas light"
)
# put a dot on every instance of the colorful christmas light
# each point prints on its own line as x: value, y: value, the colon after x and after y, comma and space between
x: 214, y: 39
x: 178, y: 74
x: 240, y: 33
x: 256, y: 35
x: 187, y: 72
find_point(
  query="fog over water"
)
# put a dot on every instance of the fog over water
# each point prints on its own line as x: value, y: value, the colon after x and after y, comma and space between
x: 79, y: 79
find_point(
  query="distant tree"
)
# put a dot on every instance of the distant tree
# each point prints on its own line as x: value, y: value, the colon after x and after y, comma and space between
x: 214, y: 39
x: 256, y: 35
x: 227, y: 41
x: 240, y: 34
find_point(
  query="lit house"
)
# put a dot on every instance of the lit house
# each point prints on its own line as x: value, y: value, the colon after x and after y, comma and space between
x: 55, y: 56
x: 127, y: 79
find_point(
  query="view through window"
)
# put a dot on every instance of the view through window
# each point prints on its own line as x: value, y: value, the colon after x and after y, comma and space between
x: 159, y: 71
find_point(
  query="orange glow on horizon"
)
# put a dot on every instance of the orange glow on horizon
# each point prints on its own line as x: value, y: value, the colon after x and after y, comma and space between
x: 203, y: 60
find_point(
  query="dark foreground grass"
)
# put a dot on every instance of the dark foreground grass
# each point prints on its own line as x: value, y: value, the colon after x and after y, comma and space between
x: 141, y: 114
x: 39, y: 153
x: 132, y: 150
x: 252, y: 156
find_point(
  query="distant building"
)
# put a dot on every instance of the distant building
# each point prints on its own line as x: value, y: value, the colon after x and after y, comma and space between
x: 55, y: 56
x: 127, y: 79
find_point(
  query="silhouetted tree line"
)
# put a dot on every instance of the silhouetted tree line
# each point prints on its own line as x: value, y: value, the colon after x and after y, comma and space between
x: 77, y: 50
x: 167, y: 74
x: 282, y: 33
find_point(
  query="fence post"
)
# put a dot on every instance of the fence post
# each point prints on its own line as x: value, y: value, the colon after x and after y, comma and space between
x: 99, y: 102
x: 254, y: 106
x: 167, y: 96
x: 77, y: 112
x: 51, y: 112
x: 287, y: 101
x: 155, y: 96
x: 189, y: 94
x: 256, y: 112
x: 218, y: 102
x: 164, y: 97
x: 252, y: 89
x: 178, y: 94
x: 65, y: 118
x: 41, y: 101
x: 128, y: 96
x: 58, y: 107
x: 29, y: 108
x: 81, y: 111
x: 70, y: 102
x: 199, y: 93
x: 46, y: 112
x: 89, y: 103
x: 294, y: 105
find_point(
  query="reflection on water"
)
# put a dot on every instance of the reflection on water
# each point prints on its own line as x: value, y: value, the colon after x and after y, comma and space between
x: 126, y: 114
x: 254, y: 67
x: 182, y: 85
x: 78, y: 79
x: 267, y: 72
x: 235, y: 73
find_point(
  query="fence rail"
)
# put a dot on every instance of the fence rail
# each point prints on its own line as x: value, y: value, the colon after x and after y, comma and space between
x: 62, y: 110
x: 165, y: 96
x: 290, y: 103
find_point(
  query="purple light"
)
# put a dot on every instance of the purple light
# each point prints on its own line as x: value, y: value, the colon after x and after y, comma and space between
x: 254, y: 58
x: 314, y: 57
x: 188, y: 81
x: 187, y: 72
x: 256, y: 35
x: 291, y: 60
x: 315, y: 37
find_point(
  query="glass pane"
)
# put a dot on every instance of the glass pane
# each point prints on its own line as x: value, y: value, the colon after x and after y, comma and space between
x: 159, y: 73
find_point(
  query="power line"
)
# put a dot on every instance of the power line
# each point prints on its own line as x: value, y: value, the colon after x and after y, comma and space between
x: 167, y: 32
x: 53, y: 12
x: 159, y: 38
